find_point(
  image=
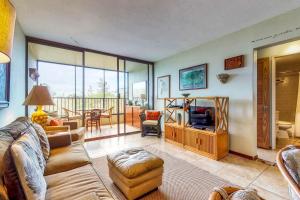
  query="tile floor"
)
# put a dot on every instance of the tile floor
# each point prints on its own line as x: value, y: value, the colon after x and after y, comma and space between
x: 240, y: 171
x: 107, y: 130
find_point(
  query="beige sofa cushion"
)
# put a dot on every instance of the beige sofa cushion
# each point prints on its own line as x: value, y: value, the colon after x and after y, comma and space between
x: 66, y: 158
x: 134, y: 162
x: 150, y: 122
x: 81, y: 183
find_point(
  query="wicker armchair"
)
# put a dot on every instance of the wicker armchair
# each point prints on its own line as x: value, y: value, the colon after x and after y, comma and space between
x: 217, y: 196
x: 294, y: 188
x: 150, y: 127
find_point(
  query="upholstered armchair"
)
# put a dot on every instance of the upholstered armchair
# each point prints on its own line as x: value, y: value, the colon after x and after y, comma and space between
x: 151, y: 123
x: 288, y: 163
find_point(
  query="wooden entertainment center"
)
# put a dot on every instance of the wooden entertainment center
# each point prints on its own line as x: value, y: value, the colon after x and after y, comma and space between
x: 212, y: 143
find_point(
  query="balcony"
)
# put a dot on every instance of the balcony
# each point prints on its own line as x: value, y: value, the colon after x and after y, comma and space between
x: 76, y: 105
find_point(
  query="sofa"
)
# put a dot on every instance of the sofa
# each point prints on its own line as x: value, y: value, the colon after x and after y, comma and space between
x: 67, y: 174
x: 77, y: 133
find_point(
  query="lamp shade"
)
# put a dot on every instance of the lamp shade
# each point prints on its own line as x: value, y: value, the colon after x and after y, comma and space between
x: 39, y: 95
x: 7, y: 27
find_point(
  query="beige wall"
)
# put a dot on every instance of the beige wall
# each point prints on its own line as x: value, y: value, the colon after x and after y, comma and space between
x: 17, y: 80
x: 241, y: 88
x: 286, y: 97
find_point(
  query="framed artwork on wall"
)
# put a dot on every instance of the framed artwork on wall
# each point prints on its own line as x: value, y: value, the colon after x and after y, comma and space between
x: 163, y: 86
x: 193, y: 78
x: 4, y: 85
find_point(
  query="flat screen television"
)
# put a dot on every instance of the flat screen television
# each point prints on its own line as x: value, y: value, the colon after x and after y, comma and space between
x: 202, y: 117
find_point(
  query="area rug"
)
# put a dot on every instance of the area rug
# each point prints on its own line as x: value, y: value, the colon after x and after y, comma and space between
x: 181, y: 180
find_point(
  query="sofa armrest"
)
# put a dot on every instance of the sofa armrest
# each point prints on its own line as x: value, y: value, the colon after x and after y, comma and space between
x: 72, y: 125
x: 59, y: 140
x: 53, y: 129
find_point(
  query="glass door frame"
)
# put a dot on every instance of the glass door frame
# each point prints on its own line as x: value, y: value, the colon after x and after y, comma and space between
x: 150, y: 97
x: 82, y: 51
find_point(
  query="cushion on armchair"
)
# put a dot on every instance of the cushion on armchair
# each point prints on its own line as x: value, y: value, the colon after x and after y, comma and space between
x: 150, y: 122
x: 152, y: 115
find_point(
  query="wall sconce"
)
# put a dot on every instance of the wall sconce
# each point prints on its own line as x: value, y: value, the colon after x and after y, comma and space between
x: 223, y: 78
x: 7, y: 24
x: 34, y: 74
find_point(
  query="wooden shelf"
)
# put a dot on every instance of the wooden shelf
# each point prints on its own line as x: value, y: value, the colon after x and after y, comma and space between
x: 212, y: 144
x: 174, y: 108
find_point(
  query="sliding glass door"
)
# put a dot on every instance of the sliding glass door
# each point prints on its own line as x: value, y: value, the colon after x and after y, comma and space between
x: 81, y: 81
x: 135, y: 87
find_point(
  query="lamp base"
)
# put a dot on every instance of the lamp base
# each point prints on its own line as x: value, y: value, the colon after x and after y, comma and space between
x: 39, y: 116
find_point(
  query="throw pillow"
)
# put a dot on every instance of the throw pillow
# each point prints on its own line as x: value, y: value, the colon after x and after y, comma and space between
x: 200, y: 110
x: 43, y: 140
x: 17, y: 127
x: 11, y: 179
x: 152, y: 115
x: 23, y: 174
x: 52, y: 121
x: 34, y: 142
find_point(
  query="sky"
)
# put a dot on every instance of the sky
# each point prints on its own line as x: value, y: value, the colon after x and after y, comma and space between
x: 61, y: 79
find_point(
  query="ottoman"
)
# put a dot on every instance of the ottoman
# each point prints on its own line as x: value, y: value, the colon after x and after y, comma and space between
x: 135, y: 171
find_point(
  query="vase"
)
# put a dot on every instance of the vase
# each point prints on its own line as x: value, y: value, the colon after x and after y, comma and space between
x: 179, y: 118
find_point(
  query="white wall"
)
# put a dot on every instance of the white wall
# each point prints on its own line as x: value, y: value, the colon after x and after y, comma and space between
x: 17, y: 80
x: 241, y: 88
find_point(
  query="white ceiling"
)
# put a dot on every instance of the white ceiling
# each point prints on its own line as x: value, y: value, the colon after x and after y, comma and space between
x: 144, y: 29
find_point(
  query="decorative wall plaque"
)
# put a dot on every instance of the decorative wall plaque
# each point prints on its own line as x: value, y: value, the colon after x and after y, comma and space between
x: 234, y: 62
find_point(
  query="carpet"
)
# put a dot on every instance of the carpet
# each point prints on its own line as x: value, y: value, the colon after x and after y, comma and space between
x: 181, y: 180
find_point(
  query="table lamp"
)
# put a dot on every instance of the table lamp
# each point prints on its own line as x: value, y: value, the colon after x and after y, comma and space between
x: 39, y: 96
x: 7, y: 24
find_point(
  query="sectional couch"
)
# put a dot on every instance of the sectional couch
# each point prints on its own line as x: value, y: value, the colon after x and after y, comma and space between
x: 68, y: 172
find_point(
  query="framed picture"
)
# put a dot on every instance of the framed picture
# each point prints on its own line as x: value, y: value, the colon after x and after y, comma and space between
x: 139, y: 90
x: 193, y: 78
x: 163, y: 87
x: 4, y: 85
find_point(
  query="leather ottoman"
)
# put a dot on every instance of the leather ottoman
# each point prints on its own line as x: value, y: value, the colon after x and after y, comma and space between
x: 135, y: 171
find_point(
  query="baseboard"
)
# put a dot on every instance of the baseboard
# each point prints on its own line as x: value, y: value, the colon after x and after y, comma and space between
x: 243, y: 155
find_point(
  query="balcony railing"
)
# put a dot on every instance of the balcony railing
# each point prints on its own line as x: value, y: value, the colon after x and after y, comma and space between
x: 75, y: 104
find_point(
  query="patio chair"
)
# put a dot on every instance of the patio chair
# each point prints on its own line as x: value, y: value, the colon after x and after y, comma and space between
x: 150, y: 123
x: 107, y: 114
x: 72, y: 115
x: 93, y: 118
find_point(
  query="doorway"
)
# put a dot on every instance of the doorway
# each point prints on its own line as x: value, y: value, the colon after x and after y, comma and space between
x: 278, y: 102
x: 287, y: 97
